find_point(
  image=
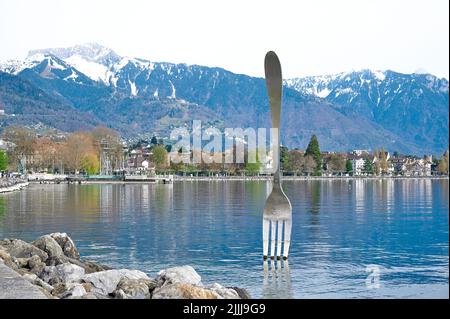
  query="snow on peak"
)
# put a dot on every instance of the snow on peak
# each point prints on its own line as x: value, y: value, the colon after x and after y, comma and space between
x: 92, y: 52
x: 95, y: 71
x: 379, y: 75
x: 174, y: 91
x: 133, y: 88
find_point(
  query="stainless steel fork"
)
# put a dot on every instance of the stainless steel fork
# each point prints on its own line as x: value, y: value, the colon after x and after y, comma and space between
x: 278, y: 209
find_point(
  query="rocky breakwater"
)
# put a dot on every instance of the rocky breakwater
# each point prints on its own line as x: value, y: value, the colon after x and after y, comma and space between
x: 53, y: 264
x: 11, y: 184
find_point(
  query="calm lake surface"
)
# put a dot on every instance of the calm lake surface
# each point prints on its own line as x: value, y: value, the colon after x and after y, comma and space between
x: 351, y: 238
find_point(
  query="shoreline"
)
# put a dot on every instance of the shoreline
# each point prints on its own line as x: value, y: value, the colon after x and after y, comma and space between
x: 243, y: 179
x: 51, y: 267
x: 14, y: 187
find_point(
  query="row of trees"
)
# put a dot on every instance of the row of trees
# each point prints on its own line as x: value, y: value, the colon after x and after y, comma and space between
x: 78, y: 151
x: 87, y: 151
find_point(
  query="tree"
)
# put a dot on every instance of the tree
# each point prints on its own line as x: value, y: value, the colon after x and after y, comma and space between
x: 349, y: 166
x: 44, y: 154
x: 23, y: 140
x: 443, y: 164
x: 381, y: 163
x: 77, y: 146
x: 154, y: 140
x: 336, y: 163
x: 314, y: 151
x: 296, y: 161
x: 159, y: 156
x: 3, y: 160
x: 309, y: 165
x: 368, y: 167
x: 90, y: 164
x: 284, y: 158
x: 250, y: 167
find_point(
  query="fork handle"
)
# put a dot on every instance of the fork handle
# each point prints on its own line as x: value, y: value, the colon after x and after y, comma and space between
x: 274, y: 86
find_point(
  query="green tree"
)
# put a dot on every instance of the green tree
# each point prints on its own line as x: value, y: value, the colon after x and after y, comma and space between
x: 314, y: 151
x: 154, y: 140
x: 3, y: 160
x: 368, y: 166
x: 159, y: 156
x: 253, y: 167
x: 284, y: 158
x: 348, y: 166
x: 90, y: 164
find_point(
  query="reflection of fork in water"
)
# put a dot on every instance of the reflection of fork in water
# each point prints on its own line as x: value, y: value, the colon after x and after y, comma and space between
x: 277, y: 279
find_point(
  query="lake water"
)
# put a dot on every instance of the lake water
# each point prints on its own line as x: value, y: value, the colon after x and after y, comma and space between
x: 351, y: 238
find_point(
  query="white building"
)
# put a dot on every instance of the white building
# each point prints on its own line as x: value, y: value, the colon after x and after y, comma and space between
x: 358, y: 165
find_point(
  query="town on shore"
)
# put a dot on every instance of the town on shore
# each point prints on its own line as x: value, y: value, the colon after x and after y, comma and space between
x: 101, y: 154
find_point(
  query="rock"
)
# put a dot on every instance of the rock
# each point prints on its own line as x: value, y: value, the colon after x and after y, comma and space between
x: 243, y: 293
x: 56, y: 260
x: 89, y: 266
x: 105, y: 282
x: 19, y: 249
x: 87, y: 286
x: 49, y: 245
x: 120, y: 294
x: 38, y: 282
x: 179, y: 275
x: 67, y: 245
x: 34, y: 261
x: 134, y: 288
x: 86, y: 296
x: 9, y: 261
x: 22, y: 262
x: 183, y: 291
x: 30, y: 277
x: 59, y: 289
x: 224, y: 293
x: 65, y: 273
x: 76, y: 290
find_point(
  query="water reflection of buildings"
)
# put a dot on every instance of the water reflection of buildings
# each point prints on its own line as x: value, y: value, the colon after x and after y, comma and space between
x: 277, y: 280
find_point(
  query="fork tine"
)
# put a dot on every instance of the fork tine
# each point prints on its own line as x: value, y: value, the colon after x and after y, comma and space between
x: 273, y: 239
x: 287, y: 237
x: 266, y: 223
x: 279, y: 238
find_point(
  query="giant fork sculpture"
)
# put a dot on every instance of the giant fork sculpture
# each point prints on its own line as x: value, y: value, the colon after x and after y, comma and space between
x: 278, y: 209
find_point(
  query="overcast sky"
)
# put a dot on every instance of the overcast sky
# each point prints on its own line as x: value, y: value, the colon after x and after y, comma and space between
x: 311, y: 37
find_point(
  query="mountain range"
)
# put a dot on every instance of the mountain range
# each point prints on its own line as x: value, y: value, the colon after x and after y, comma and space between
x: 88, y: 85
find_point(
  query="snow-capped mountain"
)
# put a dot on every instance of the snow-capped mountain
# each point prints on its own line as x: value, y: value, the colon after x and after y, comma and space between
x: 354, y: 110
x: 413, y: 106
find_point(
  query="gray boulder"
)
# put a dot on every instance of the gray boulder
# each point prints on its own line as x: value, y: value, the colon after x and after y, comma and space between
x: 64, y: 273
x: 183, y: 291
x: 223, y: 292
x: 19, y: 249
x: 49, y: 245
x: 243, y: 293
x: 73, y: 291
x: 134, y: 288
x: 38, y: 282
x: 179, y: 275
x: 105, y: 282
x: 67, y: 245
